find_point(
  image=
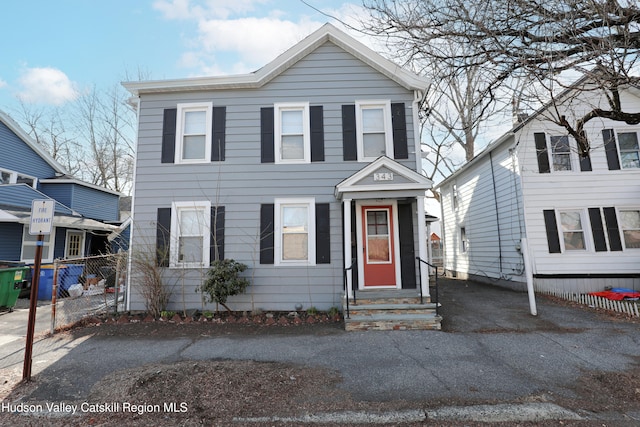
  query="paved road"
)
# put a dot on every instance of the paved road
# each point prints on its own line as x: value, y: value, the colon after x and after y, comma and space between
x: 490, y: 349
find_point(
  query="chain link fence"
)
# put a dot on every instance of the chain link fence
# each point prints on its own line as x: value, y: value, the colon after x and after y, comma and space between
x: 84, y: 287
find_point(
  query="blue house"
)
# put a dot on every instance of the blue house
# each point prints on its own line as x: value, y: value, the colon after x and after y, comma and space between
x: 85, y: 214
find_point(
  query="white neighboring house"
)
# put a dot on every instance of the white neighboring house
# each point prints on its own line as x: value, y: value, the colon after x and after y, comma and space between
x: 578, y: 218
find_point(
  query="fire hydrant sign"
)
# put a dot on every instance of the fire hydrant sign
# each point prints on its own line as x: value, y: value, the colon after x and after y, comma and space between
x: 41, y: 216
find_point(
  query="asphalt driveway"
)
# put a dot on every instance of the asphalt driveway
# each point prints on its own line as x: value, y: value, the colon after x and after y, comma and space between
x: 490, y: 350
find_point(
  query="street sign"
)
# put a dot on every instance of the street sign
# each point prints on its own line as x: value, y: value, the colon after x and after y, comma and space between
x: 41, y: 216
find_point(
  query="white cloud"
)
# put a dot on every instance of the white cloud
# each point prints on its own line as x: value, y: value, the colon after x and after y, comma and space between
x: 2, y: 83
x: 46, y: 86
x: 209, y: 9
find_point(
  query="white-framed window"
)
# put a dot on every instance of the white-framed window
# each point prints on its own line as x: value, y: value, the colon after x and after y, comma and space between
x: 560, y: 153
x: 190, y: 235
x: 629, y: 150
x: 630, y: 226
x: 74, y: 246
x: 454, y: 197
x: 193, y: 132
x: 572, y: 229
x: 374, y: 134
x: 29, y: 244
x: 12, y: 177
x: 292, y: 133
x: 295, y: 231
x: 464, y: 243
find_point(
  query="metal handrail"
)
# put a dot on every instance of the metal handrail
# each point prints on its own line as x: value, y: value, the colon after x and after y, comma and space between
x: 420, y: 262
x: 346, y: 290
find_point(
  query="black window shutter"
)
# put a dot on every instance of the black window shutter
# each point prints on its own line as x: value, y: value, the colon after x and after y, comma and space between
x: 266, y: 233
x: 323, y: 239
x: 218, y: 134
x: 597, y: 229
x: 615, y: 244
x: 349, y: 141
x: 541, y: 152
x: 163, y: 236
x: 585, y: 163
x: 267, y: 148
x: 316, y: 119
x: 399, y: 125
x: 169, y: 135
x: 551, y: 226
x: 216, y: 245
x: 610, y: 149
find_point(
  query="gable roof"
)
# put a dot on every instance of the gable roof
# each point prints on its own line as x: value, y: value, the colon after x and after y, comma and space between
x: 326, y: 33
x: 361, y: 181
x: 16, y: 129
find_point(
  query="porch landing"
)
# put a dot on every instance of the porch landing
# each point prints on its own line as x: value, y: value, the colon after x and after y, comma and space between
x: 394, y: 309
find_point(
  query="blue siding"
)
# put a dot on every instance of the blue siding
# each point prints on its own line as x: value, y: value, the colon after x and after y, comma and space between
x: 16, y: 155
x: 61, y: 235
x: 11, y: 241
x: 21, y: 195
x: 88, y: 202
x: 62, y: 192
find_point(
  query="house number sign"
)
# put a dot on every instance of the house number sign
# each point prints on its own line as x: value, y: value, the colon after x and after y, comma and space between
x: 383, y: 176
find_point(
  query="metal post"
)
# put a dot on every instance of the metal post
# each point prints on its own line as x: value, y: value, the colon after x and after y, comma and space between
x: 54, y: 295
x: 33, y: 304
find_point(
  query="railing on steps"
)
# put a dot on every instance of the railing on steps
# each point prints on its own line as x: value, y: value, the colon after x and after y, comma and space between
x: 346, y: 288
x: 420, y: 262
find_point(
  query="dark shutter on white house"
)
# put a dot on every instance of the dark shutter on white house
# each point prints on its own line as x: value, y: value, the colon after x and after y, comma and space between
x: 349, y: 140
x: 169, y: 135
x: 541, y: 152
x: 163, y: 236
x: 267, y: 247
x: 323, y: 234
x: 597, y: 229
x: 551, y: 227
x: 399, y: 126
x: 218, y: 134
x: 267, y: 148
x: 611, y: 149
x: 216, y: 245
x: 585, y: 163
x: 613, y: 232
x: 316, y: 119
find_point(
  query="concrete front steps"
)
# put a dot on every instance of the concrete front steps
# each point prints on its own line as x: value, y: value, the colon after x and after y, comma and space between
x: 386, y: 310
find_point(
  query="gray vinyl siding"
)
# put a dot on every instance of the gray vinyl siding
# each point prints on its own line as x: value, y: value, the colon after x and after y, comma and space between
x: 493, y: 219
x: 328, y: 77
x: 19, y: 157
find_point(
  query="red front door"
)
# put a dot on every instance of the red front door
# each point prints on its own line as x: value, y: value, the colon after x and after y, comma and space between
x: 378, y: 246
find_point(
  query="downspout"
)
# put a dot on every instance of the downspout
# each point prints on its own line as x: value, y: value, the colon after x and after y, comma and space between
x: 495, y: 201
x: 134, y: 102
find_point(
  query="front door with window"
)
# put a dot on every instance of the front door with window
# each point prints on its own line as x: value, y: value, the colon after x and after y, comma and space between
x: 378, y: 246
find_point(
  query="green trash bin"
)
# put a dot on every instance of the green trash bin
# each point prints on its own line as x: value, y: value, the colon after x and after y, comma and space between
x: 12, y: 281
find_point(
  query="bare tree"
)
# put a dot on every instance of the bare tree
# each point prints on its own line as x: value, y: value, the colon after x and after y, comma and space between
x: 538, y: 40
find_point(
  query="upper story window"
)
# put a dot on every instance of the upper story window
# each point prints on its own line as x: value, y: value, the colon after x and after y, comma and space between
x: 464, y: 243
x: 572, y: 230
x: 11, y: 177
x: 454, y: 197
x: 630, y: 225
x: 193, y: 132
x: 190, y: 237
x: 373, y: 130
x: 629, y: 150
x: 560, y: 153
x: 292, y: 133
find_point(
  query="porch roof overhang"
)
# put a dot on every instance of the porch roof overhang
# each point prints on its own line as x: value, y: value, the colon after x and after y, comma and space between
x: 22, y: 216
x: 383, y: 178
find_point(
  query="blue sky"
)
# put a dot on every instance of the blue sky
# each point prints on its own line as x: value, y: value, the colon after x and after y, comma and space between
x: 52, y: 51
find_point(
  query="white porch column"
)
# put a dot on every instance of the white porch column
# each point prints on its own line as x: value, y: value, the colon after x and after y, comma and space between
x: 422, y: 247
x: 346, y: 205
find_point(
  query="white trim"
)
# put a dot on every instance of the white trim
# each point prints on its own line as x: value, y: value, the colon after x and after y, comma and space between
x: 82, y: 243
x: 176, y: 207
x: 620, y: 229
x: 78, y: 182
x: 182, y: 109
x: 586, y: 230
x: 423, y: 248
x: 51, y: 244
x: 346, y: 203
x: 617, y: 132
x: 309, y: 203
x: 278, y: 108
x: 326, y: 33
x: 385, y: 105
x: 360, y: 241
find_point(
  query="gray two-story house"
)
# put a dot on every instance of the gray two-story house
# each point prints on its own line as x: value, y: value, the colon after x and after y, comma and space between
x: 302, y: 169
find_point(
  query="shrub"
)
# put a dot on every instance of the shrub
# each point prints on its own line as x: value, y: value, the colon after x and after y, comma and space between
x: 223, y: 281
